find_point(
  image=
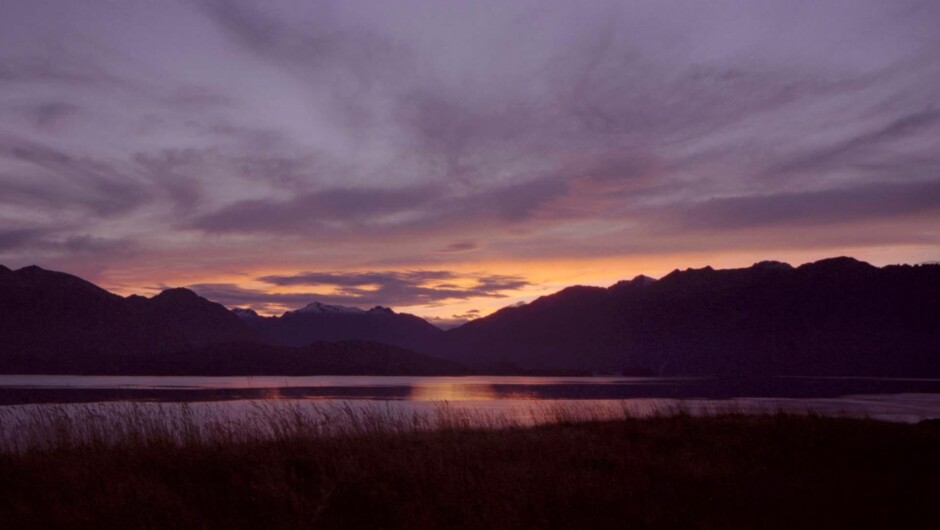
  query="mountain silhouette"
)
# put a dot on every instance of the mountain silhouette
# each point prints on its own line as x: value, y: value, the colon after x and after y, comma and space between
x: 837, y: 316
x: 52, y: 322
x: 834, y: 317
x: 319, y: 322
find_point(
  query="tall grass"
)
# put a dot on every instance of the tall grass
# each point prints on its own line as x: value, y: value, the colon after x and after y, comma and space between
x: 347, y: 465
x: 63, y: 426
x: 60, y: 426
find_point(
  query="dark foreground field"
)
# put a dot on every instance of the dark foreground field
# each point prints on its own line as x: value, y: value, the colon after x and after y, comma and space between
x: 671, y: 472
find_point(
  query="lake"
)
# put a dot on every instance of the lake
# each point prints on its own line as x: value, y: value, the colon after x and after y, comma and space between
x: 894, y: 399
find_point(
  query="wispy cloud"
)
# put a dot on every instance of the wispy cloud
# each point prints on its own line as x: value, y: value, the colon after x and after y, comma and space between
x: 402, y: 288
x: 857, y: 148
x: 836, y: 205
x: 43, y: 176
x: 460, y: 246
x: 42, y: 242
x: 365, y: 289
x: 16, y: 238
x: 293, y: 135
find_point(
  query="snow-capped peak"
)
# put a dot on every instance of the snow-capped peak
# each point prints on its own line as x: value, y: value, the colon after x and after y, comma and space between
x: 322, y: 309
x: 244, y: 312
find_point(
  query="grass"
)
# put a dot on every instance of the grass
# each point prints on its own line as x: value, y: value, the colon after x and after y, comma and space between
x: 320, y: 467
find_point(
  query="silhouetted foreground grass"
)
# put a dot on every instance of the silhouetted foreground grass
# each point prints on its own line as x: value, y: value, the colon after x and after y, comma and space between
x: 726, y: 472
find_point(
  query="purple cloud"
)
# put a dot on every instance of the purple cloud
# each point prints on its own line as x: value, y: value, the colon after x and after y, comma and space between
x: 249, y: 135
x: 366, y: 289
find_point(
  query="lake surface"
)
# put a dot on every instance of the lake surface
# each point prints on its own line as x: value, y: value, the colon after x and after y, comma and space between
x: 907, y: 400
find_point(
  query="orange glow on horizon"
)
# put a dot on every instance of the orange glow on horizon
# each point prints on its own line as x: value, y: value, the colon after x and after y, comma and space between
x: 544, y: 277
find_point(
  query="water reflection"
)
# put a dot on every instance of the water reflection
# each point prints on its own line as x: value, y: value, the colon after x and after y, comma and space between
x: 476, y: 391
x: 434, y: 390
x: 272, y: 393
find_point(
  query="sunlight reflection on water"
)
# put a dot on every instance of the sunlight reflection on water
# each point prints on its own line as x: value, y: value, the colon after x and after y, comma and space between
x: 439, y: 391
x: 519, y: 398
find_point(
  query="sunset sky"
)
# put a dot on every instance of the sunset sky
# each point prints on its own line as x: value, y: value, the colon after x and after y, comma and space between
x: 449, y: 158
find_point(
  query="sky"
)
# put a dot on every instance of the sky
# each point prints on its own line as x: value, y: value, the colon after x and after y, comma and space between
x: 450, y: 158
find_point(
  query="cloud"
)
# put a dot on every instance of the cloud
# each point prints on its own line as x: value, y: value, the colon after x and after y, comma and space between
x: 197, y: 98
x: 49, y: 115
x: 828, y: 206
x: 233, y: 295
x: 175, y: 173
x: 13, y: 239
x: 50, y: 70
x: 353, y: 63
x: 460, y: 246
x: 454, y: 320
x: 495, y: 151
x: 88, y: 244
x: 332, y: 209
x: 401, y: 288
x: 50, y: 178
x: 46, y: 242
x: 375, y: 210
x: 322, y: 135
x: 365, y: 289
x: 860, y: 146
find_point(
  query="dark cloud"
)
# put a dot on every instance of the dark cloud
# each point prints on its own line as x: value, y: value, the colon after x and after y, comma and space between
x: 408, y: 288
x: 454, y: 321
x: 52, y: 71
x: 422, y: 208
x: 334, y: 209
x: 838, y: 205
x: 14, y: 239
x: 512, y: 203
x: 390, y: 289
x: 284, y: 172
x: 504, y: 135
x: 50, y: 115
x: 247, y: 134
x: 232, y: 295
x: 254, y: 28
x: 351, y: 59
x: 88, y: 244
x: 175, y: 173
x: 45, y: 242
x: 357, y: 279
x: 427, y: 208
x: 197, y: 98
x: 460, y: 246
x: 466, y: 316
x: 51, y: 178
x: 859, y: 147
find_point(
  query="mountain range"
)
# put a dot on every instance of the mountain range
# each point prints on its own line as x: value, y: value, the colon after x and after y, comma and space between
x: 52, y: 322
x: 320, y: 322
x: 835, y: 317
